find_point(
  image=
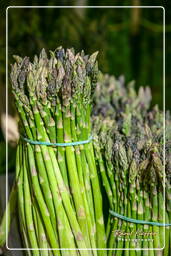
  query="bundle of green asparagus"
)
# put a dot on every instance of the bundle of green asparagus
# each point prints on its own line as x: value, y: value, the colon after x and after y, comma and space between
x: 128, y: 142
x: 58, y: 193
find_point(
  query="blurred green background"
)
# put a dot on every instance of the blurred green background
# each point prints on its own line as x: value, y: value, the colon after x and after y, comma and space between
x: 129, y: 40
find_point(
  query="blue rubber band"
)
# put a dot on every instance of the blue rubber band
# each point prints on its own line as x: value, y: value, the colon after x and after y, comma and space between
x: 64, y: 144
x: 138, y: 221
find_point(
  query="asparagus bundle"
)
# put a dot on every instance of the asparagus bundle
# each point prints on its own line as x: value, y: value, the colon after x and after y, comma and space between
x: 129, y: 156
x: 58, y: 192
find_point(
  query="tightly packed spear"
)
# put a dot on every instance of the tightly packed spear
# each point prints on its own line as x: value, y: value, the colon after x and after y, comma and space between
x: 128, y: 142
x: 57, y: 187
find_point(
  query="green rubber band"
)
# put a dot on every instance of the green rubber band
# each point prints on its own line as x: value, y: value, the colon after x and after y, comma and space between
x: 138, y: 221
x: 64, y: 144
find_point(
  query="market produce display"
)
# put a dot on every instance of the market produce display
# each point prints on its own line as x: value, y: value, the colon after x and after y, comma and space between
x: 129, y: 148
x: 90, y: 161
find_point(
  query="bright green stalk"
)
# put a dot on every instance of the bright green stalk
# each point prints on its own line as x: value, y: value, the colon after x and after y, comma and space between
x: 35, y: 220
x: 125, y: 190
x: 20, y: 192
x: 127, y: 229
x: 60, y: 139
x: 113, y: 240
x: 155, y: 218
x: 121, y: 227
x: 147, y: 217
x: 87, y: 182
x: 139, y: 216
x: 28, y: 210
x: 122, y: 174
x: 132, y: 199
x: 42, y: 239
x: 161, y: 217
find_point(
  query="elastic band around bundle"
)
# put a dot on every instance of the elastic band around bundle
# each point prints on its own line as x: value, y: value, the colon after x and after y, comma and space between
x: 138, y: 221
x: 64, y: 144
